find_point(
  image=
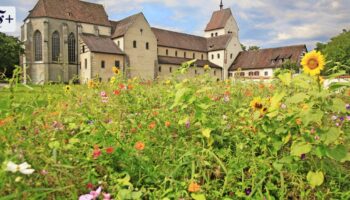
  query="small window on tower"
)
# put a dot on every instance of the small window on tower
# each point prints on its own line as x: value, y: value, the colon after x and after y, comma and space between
x: 218, y: 56
x: 147, y: 45
x: 231, y: 55
x: 216, y: 34
x: 117, y: 63
x: 212, y: 34
x: 102, y: 64
x: 212, y: 56
x: 134, y: 44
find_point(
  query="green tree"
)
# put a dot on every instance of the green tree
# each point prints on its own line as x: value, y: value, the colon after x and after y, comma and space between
x: 11, y: 49
x: 253, y: 48
x: 243, y: 47
x: 337, y: 52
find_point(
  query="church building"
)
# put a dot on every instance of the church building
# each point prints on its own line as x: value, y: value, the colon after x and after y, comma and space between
x: 75, y: 40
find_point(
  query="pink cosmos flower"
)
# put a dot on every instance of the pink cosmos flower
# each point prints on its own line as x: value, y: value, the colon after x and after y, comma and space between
x: 92, y: 196
x: 103, y: 94
x: 106, y: 196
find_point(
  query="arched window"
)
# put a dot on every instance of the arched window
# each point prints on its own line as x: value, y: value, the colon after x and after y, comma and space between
x: 55, y: 46
x: 38, y: 47
x: 71, y: 48
x: 250, y: 73
x: 256, y: 73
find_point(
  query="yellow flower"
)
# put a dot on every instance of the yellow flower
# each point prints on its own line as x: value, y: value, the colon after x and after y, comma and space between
x: 321, y: 80
x: 91, y: 84
x: 167, y: 82
x: 313, y: 63
x: 256, y: 103
x: 67, y: 89
x: 113, y: 79
x: 206, y: 67
x: 115, y: 70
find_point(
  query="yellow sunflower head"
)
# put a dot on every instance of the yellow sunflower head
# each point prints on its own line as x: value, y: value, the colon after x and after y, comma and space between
x: 91, y: 84
x: 67, y: 89
x: 206, y: 67
x: 257, y: 103
x: 313, y: 63
x: 115, y: 70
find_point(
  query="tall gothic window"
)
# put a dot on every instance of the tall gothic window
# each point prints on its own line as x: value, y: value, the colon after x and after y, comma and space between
x: 38, y: 46
x: 71, y: 48
x: 55, y: 46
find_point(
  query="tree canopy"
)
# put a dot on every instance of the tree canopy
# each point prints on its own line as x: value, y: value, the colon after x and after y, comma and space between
x: 337, y: 52
x: 11, y: 49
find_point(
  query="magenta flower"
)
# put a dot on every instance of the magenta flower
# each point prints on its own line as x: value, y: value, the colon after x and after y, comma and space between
x: 106, y: 196
x: 348, y: 118
x: 188, y: 123
x: 103, y: 94
x: 92, y: 196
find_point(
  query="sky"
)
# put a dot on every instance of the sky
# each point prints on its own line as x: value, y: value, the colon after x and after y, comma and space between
x: 264, y: 23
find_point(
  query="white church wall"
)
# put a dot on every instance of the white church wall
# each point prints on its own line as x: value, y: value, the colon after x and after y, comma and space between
x: 217, y: 57
x: 214, y: 33
x: 119, y: 42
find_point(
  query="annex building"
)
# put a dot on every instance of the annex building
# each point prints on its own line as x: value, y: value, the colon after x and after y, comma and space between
x: 72, y: 39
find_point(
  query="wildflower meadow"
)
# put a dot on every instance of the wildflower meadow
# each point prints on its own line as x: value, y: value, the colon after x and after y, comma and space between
x: 178, y: 138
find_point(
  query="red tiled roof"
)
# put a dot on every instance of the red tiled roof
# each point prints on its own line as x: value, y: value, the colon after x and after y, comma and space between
x: 219, y: 42
x: 119, y: 28
x: 178, y: 40
x: 73, y: 10
x: 100, y: 44
x: 179, y: 61
x: 218, y: 19
x: 268, y: 58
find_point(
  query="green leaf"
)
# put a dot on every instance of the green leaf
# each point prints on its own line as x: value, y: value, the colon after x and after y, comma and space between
x: 198, y: 196
x: 315, y: 178
x: 337, y: 153
x: 286, y: 78
x: 54, y: 145
x: 297, y: 98
x: 206, y: 132
x: 339, y: 105
x: 331, y: 135
x: 312, y: 116
x: 277, y: 166
x: 299, y: 148
x: 180, y: 95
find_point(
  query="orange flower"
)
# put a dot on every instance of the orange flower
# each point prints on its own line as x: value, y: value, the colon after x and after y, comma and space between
x: 116, y: 92
x: 167, y: 124
x: 261, y: 86
x: 109, y: 150
x: 298, y: 121
x: 152, y: 125
x: 130, y: 87
x: 248, y: 93
x: 155, y: 113
x: 133, y: 130
x: 121, y: 86
x: 227, y: 92
x: 139, y: 146
x: 194, y: 187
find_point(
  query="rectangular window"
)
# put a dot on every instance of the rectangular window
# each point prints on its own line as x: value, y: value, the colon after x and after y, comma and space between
x: 175, y: 53
x: 102, y: 64
x: 85, y: 63
x: 202, y: 57
x: 266, y: 73
x: 134, y: 44
x: 147, y: 45
x: 218, y: 56
x: 160, y: 69
x: 231, y: 55
x: 184, y: 54
x: 194, y: 55
x: 166, y: 52
x: 212, y: 56
x: 170, y: 70
x: 117, y: 63
x: 214, y: 72
x: 83, y: 49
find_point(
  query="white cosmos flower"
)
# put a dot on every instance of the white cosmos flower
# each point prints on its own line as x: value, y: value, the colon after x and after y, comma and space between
x: 24, y: 168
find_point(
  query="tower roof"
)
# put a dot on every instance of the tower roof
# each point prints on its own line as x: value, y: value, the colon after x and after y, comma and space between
x: 219, y: 19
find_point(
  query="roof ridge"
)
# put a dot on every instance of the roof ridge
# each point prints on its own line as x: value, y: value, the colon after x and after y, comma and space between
x: 281, y: 47
x: 178, y: 32
x: 128, y: 17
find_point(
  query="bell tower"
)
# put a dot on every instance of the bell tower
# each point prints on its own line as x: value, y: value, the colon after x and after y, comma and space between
x: 221, y: 5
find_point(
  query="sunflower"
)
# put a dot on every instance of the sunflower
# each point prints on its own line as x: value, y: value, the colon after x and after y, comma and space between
x: 313, y: 63
x: 206, y: 67
x: 91, y: 84
x: 67, y: 89
x: 115, y: 70
x: 257, y: 103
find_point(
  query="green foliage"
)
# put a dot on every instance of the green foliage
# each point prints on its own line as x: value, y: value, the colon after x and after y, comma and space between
x: 337, y: 51
x: 193, y: 131
x: 11, y: 49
